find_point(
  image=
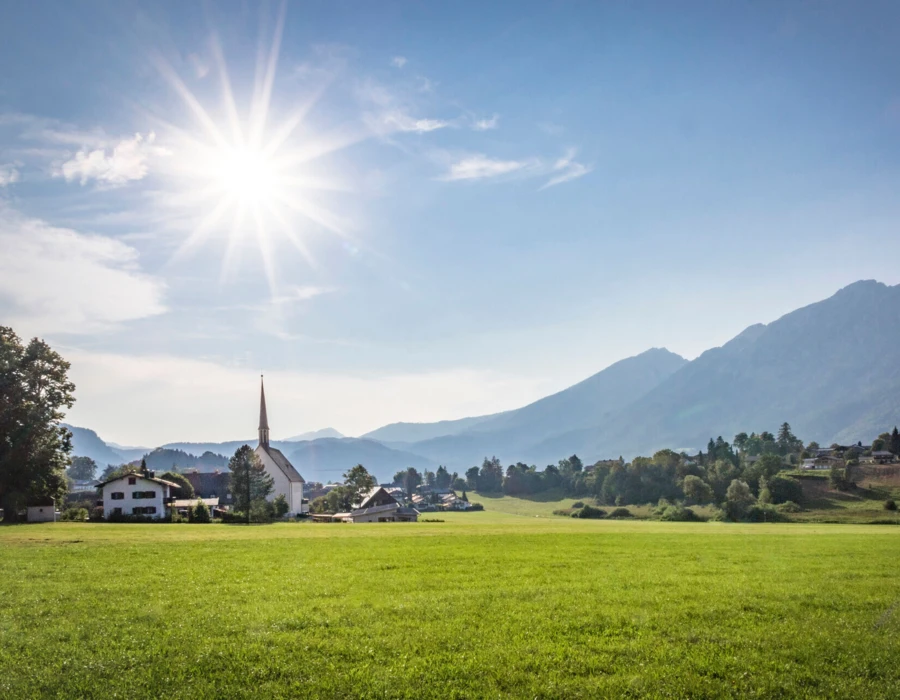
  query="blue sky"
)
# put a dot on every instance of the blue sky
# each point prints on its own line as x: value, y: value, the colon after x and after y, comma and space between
x: 476, y: 205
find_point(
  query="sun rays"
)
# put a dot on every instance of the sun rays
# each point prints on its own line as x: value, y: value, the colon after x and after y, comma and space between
x: 242, y: 175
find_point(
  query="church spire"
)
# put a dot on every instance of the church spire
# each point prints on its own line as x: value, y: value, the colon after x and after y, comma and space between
x: 263, y: 418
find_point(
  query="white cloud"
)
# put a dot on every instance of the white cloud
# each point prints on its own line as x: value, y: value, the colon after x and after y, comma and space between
x: 128, y: 160
x: 8, y: 174
x: 398, y: 61
x: 479, y: 166
x: 486, y: 124
x: 150, y: 400
x: 58, y: 280
x: 567, y: 168
x: 397, y: 120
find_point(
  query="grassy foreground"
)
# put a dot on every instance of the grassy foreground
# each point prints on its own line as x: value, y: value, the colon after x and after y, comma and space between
x: 482, y: 605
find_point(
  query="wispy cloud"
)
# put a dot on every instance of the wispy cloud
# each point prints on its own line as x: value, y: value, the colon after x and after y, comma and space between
x: 397, y: 120
x: 486, y: 124
x: 59, y: 280
x: 127, y: 160
x: 566, y: 169
x: 479, y: 167
x: 398, y: 61
x: 8, y: 174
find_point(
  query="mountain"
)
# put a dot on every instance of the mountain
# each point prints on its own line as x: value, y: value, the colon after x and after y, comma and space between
x: 86, y: 443
x: 415, y: 432
x: 831, y: 369
x: 326, y: 459
x: 511, y: 435
x: 315, y: 434
x: 320, y: 459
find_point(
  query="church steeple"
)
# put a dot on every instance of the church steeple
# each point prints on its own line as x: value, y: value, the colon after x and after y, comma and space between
x: 263, y: 418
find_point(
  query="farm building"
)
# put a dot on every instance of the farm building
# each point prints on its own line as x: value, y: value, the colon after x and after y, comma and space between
x: 377, y: 506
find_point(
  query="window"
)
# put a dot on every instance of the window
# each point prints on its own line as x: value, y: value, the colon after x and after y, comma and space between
x: 132, y: 480
x: 144, y: 510
x: 117, y: 495
x: 138, y: 495
x: 117, y: 511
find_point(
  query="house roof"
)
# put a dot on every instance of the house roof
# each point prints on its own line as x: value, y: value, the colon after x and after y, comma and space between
x: 140, y: 476
x: 372, y: 493
x: 188, y: 502
x: 283, y: 463
x: 882, y: 453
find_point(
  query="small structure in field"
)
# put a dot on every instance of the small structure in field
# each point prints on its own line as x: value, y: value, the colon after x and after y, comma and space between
x: 137, y: 493
x: 42, y: 511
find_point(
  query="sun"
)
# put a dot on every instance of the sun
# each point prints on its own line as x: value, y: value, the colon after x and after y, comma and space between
x: 239, y: 176
x: 248, y: 175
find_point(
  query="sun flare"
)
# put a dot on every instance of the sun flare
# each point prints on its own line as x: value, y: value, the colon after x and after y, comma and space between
x: 241, y: 177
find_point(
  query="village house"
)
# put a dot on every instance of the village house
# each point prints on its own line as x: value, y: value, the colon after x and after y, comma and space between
x: 136, y: 493
x: 377, y: 506
x: 883, y: 457
x: 288, y: 482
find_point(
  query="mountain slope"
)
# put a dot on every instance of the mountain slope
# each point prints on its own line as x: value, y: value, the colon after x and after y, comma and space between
x: 832, y: 369
x: 315, y: 434
x: 415, y: 432
x: 86, y: 443
x: 510, y: 435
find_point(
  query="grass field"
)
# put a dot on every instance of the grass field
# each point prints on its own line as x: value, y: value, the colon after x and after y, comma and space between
x: 482, y: 605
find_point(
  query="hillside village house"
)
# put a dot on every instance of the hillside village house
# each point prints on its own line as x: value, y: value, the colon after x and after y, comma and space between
x: 288, y: 481
x: 136, y: 493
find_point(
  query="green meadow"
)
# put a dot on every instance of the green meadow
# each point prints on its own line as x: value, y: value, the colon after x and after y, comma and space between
x: 488, y: 604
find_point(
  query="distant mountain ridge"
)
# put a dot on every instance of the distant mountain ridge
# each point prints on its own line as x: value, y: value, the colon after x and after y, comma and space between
x: 831, y: 369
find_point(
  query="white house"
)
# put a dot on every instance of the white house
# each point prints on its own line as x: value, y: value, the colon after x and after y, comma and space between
x: 288, y: 481
x: 136, y: 493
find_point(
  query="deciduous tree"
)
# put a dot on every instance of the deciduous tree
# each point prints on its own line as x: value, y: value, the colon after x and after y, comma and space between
x: 34, y: 447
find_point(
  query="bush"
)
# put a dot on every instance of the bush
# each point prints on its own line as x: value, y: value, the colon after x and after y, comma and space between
x: 763, y: 514
x: 563, y: 511
x: 234, y: 517
x: 784, y: 488
x: 280, y: 506
x: 621, y: 513
x: 789, y: 507
x: 199, y: 513
x: 97, y: 514
x: 578, y: 504
x: 261, y: 511
x: 76, y: 514
x: 589, y: 512
x: 676, y: 513
x: 890, y: 504
x: 477, y: 506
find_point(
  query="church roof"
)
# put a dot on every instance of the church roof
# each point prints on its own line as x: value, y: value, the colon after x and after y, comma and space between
x: 283, y: 463
x: 263, y: 417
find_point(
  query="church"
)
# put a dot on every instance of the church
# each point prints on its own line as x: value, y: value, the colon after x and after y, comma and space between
x: 288, y: 481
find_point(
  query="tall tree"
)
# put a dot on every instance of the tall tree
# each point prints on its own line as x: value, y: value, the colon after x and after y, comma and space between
x: 358, y: 481
x: 442, y: 478
x: 246, y: 467
x: 82, y: 469
x: 34, y: 448
x: 895, y: 441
